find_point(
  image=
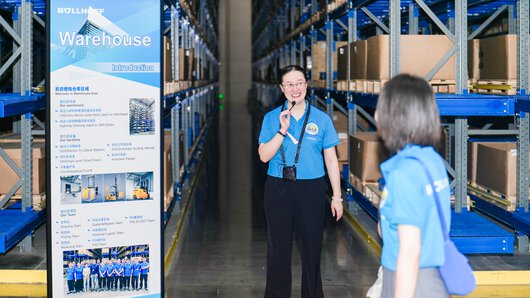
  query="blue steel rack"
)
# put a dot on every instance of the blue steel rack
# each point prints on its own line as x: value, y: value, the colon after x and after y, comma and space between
x: 356, y: 19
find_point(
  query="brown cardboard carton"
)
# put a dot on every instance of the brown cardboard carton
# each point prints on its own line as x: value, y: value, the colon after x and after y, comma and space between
x: 342, y: 63
x: 366, y: 154
x: 472, y: 159
x: 168, y: 74
x: 318, y: 55
x: 496, y: 167
x: 183, y: 61
x: 8, y: 177
x: 318, y: 69
x: 340, y: 122
x: 418, y: 56
x: 359, y: 59
x: 498, y: 58
x: 473, y: 59
x: 190, y: 64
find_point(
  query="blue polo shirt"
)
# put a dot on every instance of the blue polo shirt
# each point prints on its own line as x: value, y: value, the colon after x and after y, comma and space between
x: 102, y: 270
x: 319, y: 134
x: 119, y: 269
x: 93, y: 269
x: 78, y: 273
x: 128, y: 269
x: 136, y: 269
x: 144, y: 268
x: 408, y: 199
x: 70, y: 273
x: 110, y: 270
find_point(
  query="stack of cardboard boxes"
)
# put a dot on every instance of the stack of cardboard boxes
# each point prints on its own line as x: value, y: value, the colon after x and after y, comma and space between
x: 370, y: 60
x: 319, y: 63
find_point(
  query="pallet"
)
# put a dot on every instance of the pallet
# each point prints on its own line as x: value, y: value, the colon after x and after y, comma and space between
x: 501, y: 200
x: 443, y: 86
x: 369, y: 189
x: 38, y: 201
x: 497, y: 87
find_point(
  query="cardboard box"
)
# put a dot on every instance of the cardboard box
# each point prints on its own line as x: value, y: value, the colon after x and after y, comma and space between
x: 183, y: 61
x: 357, y: 61
x: 168, y: 73
x: 342, y: 63
x: 473, y: 59
x: 318, y: 70
x: 367, y: 152
x: 498, y: 58
x: 8, y: 177
x: 496, y: 167
x: 340, y: 122
x: 418, y: 56
x: 190, y: 64
x: 472, y: 160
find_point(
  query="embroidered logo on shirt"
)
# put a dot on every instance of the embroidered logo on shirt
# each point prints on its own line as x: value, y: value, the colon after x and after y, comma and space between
x: 384, y: 195
x: 311, y: 128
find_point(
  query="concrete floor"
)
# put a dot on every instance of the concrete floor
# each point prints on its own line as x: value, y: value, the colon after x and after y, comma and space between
x: 224, y: 252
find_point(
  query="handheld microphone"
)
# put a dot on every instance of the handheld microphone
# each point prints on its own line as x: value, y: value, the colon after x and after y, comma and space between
x: 293, y: 103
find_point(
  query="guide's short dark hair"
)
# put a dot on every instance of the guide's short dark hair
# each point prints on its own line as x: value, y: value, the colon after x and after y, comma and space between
x: 407, y: 113
x: 287, y: 69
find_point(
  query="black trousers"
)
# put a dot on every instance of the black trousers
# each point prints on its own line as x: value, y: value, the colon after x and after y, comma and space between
x: 143, y: 281
x: 294, y: 208
x: 71, y: 287
x: 135, y: 282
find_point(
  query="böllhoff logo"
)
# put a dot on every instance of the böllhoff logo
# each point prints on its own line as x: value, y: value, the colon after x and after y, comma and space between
x: 77, y: 10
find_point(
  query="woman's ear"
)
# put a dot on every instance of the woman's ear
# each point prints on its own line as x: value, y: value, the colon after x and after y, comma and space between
x: 376, y: 117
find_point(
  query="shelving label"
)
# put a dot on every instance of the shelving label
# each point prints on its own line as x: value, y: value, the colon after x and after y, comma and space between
x: 104, y: 189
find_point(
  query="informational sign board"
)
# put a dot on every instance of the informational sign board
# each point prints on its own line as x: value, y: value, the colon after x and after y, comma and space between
x: 104, y: 154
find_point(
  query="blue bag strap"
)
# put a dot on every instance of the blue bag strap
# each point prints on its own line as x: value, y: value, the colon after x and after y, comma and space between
x: 436, y: 197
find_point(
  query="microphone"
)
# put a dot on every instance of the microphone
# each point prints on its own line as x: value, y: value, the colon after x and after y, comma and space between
x: 293, y: 103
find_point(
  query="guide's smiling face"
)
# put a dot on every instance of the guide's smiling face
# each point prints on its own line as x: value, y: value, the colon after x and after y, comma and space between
x: 294, y: 86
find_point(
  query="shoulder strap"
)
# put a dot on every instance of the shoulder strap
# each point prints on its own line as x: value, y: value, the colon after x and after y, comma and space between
x: 436, y: 197
x: 300, y: 139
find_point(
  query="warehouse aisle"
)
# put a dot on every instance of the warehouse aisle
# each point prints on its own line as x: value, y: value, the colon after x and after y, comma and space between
x: 224, y: 252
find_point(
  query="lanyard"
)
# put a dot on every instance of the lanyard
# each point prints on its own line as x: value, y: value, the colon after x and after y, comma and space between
x: 299, y: 139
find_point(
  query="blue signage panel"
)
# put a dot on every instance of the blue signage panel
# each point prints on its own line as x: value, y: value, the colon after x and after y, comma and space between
x: 104, y: 136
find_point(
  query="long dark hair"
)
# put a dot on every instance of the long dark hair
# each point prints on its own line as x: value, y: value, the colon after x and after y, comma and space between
x: 407, y: 113
x: 289, y: 68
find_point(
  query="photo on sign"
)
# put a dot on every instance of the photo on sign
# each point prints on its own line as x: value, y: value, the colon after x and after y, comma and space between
x: 139, y: 186
x: 141, y: 116
x: 71, y: 190
x: 122, y: 270
x: 102, y: 188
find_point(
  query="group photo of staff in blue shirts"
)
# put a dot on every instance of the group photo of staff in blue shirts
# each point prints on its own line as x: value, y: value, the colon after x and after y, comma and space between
x: 97, y: 275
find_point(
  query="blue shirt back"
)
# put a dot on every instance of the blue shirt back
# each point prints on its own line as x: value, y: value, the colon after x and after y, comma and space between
x: 408, y: 199
x: 70, y: 273
x: 319, y: 134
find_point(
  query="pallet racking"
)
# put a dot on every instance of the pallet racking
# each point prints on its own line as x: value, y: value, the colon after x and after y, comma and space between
x: 280, y: 42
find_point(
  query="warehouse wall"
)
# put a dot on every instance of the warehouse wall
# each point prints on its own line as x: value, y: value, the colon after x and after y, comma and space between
x: 235, y: 45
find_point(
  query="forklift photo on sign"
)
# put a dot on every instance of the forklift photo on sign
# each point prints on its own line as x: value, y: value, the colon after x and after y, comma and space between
x: 104, y: 188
